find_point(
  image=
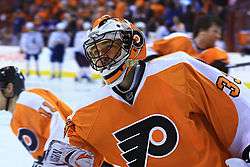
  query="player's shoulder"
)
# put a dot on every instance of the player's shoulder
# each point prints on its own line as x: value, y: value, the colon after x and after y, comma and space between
x: 215, y: 50
x: 55, y: 33
x: 41, y: 92
x: 92, y: 102
x: 25, y: 35
x: 30, y: 99
x: 37, y: 33
x: 87, y: 112
x: 165, y: 62
x: 171, y: 43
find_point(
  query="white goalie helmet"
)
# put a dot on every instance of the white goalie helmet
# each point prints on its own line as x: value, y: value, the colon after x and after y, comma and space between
x: 113, y: 45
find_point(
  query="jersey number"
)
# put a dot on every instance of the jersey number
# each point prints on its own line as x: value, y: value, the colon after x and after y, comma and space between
x: 223, y: 82
x: 155, y: 136
x: 28, y: 139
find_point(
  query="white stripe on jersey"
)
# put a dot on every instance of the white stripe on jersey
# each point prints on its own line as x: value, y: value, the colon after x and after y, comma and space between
x: 30, y: 100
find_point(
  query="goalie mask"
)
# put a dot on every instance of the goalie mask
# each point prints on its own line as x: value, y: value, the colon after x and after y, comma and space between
x: 113, y: 47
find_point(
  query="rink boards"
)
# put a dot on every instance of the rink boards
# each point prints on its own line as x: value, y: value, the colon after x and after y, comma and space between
x: 10, y: 55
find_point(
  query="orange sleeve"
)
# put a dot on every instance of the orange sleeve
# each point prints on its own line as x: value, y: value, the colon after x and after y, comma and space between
x: 63, y: 108
x: 212, y: 54
x: 224, y: 101
x: 59, y: 105
x: 214, y: 106
x: 78, y: 141
x: 171, y: 45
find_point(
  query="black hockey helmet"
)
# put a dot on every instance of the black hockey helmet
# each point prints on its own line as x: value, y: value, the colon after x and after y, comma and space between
x: 11, y: 74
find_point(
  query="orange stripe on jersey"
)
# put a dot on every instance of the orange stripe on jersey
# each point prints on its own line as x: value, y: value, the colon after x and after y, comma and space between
x: 114, y: 77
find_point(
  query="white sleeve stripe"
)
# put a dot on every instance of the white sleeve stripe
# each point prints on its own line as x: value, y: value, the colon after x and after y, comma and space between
x: 31, y: 100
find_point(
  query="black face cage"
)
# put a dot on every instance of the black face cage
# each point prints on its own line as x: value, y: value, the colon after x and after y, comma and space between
x: 106, y: 61
x: 11, y: 74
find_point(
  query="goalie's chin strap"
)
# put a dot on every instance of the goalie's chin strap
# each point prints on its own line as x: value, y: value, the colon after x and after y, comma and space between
x: 7, y: 103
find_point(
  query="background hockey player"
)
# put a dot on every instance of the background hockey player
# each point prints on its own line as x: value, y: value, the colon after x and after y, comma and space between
x: 172, y: 111
x: 31, y: 44
x: 80, y: 37
x: 38, y: 116
x: 58, y: 41
x: 206, y: 31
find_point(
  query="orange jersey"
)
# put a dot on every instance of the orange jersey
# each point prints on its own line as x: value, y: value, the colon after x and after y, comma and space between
x: 181, y: 42
x: 212, y: 54
x: 183, y: 113
x: 32, y: 119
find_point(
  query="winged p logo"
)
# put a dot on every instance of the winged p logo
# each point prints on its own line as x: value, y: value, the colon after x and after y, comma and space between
x: 155, y: 136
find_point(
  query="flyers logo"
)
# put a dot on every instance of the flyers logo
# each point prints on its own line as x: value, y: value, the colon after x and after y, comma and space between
x: 28, y: 139
x: 155, y: 136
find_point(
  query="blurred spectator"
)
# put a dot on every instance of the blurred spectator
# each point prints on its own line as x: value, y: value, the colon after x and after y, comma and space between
x: 139, y: 11
x: 100, y: 11
x: 178, y: 26
x: 120, y: 9
x: 158, y: 9
x: 58, y: 41
x: 161, y: 30
x: 188, y: 18
x: 81, y: 36
x: 6, y: 36
x: 31, y: 44
x: 207, y: 30
x: 18, y: 22
x: 172, y: 9
x: 142, y: 26
x: 47, y: 13
x: 70, y: 21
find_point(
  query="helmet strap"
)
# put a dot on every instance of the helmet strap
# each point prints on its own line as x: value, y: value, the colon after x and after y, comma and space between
x: 7, y: 100
x: 7, y: 103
